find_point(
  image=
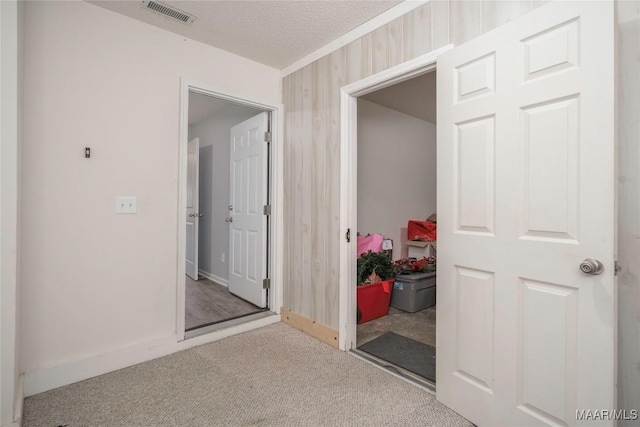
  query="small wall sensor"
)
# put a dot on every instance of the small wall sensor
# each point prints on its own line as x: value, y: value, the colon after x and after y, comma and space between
x: 87, y: 152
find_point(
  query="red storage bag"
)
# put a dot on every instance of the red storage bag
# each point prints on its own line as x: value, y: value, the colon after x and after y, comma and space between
x: 422, y: 230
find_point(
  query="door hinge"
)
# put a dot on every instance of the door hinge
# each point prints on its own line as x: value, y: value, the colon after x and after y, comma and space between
x: 348, y: 235
x: 267, y: 136
x: 266, y: 210
x: 266, y: 283
x: 616, y: 268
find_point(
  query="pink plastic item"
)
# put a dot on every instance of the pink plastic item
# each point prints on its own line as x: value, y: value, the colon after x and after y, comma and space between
x: 372, y: 242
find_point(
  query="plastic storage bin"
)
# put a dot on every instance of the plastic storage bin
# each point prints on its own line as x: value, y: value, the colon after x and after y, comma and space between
x: 414, y: 292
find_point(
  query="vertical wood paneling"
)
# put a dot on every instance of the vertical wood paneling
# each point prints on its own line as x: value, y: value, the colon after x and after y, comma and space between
x: 312, y: 159
x: 439, y: 23
x: 354, y: 61
x: 298, y: 193
x: 496, y: 13
x: 416, y: 28
x: 465, y: 20
x: 366, y: 55
x: 288, y: 197
x: 318, y: 190
x: 380, y: 52
x: 307, y: 149
x: 396, y: 51
x: 336, y: 79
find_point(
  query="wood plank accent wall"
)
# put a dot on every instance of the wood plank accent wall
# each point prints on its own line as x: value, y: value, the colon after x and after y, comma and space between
x: 311, y: 98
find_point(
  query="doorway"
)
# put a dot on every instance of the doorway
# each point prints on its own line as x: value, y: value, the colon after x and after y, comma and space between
x: 229, y: 241
x: 349, y: 198
x: 396, y: 217
x: 212, y: 296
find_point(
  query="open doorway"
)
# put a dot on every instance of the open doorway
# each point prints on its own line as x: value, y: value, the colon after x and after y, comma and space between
x: 226, y: 223
x: 397, y: 222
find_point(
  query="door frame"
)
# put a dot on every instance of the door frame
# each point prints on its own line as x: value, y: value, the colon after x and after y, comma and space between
x: 196, y: 224
x: 275, y: 220
x: 348, y: 178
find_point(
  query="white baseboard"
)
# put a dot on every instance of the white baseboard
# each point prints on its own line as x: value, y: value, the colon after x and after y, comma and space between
x: 214, y: 278
x: 19, y: 402
x: 49, y: 378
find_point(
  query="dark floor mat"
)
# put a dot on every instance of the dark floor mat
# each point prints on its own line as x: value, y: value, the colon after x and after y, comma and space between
x: 404, y: 352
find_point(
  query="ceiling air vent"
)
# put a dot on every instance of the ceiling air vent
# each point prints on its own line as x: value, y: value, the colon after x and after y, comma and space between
x: 169, y: 11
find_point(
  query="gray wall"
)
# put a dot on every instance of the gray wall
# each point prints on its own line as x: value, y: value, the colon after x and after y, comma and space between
x: 205, y: 229
x: 396, y: 171
x: 629, y: 206
x: 214, y: 134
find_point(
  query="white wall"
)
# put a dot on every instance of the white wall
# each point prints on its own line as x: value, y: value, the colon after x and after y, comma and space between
x: 215, y: 131
x: 629, y: 206
x: 94, y: 282
x: 10, y: 137
x: 396, y: 171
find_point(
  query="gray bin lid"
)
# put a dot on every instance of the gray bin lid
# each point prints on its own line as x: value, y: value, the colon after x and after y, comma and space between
x: 415, y: 277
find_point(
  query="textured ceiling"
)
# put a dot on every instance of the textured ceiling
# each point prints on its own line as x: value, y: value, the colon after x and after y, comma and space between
x: 275, y: 33
x: 415, y: 97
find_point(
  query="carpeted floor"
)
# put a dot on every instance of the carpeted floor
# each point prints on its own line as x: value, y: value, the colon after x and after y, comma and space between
x: 274, y: 376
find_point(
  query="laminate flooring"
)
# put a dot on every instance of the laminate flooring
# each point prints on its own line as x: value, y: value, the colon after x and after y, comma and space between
x: 420, y: 326
x: 208, y: 303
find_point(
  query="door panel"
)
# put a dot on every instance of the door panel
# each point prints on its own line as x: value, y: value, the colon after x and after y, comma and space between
x: 193, y: 173
x: 526, y: 192
x: 248, y: 243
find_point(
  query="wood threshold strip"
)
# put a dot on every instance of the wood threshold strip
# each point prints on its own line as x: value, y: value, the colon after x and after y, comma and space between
x: 310, y: 327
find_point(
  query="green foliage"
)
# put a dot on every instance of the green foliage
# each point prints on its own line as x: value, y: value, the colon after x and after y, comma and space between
x: 374, y: 263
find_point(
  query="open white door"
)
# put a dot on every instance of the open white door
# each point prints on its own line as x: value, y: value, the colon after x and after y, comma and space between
x: 193, y: 156
x: 247, y: 222
x: 526, y: 193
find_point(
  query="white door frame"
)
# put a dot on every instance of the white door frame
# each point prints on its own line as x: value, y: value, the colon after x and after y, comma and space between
x: 349, y: 178
x: 275, y: 250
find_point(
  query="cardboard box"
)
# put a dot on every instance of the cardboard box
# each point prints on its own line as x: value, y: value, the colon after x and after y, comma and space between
x: 419, y: 249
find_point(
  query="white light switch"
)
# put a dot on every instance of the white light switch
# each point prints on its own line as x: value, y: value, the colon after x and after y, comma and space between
x: 126, y: 205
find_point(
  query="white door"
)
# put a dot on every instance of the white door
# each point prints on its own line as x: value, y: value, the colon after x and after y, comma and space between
x: 247, y: 222
x: 526, y: 193
x: 193, y: 156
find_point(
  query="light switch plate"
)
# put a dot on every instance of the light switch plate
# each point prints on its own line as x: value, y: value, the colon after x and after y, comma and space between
x: 126, y: 204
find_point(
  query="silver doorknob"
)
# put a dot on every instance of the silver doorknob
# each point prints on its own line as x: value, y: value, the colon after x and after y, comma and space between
x: 230, y: 219
x: 591, y: 266
x: 199, y: 215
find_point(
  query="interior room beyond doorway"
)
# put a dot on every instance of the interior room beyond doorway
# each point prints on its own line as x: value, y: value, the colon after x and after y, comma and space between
x: 397, y: 185
x: 210, y: 259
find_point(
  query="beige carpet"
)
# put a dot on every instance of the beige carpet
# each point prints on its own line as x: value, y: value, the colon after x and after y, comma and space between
x: 274, y: 376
